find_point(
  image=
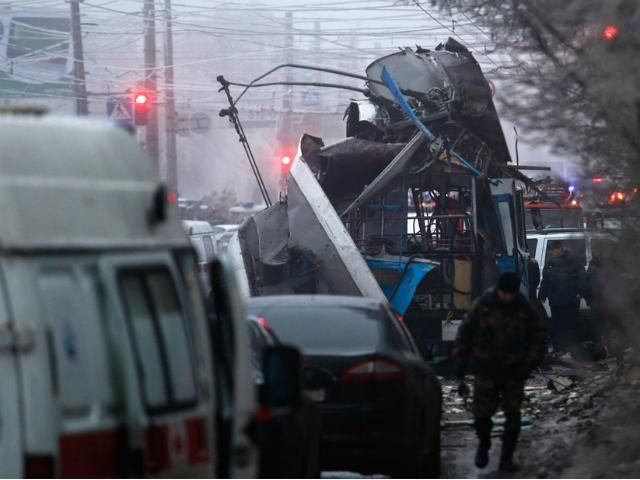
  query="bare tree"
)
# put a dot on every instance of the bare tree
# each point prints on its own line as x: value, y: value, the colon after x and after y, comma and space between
x: 579, y: 73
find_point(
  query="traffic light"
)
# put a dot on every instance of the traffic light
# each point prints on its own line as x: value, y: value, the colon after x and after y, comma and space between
x: 141, y: 105
x: 609, y: 32
x: 286, y: 159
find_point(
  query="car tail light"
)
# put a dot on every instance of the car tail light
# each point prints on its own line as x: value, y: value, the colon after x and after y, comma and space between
x: 263, y: 414
x: 39, y: 466
x: 375, y: 369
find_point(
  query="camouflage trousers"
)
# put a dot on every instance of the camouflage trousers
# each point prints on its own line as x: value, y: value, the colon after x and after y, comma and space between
x: 490, y: 392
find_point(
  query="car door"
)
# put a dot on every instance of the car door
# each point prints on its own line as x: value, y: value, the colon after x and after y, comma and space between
x: 84, y: 390
x: 168, y: 422
x: 421, y: 382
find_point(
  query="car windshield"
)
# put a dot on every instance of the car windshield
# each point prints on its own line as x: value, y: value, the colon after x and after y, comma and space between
x: 323, y: 329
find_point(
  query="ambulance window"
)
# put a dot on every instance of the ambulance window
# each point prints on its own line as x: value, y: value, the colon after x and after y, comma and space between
x: 161, y: 339
x: 146, y: 341
x: 174, y: 336
x: 532, y: 245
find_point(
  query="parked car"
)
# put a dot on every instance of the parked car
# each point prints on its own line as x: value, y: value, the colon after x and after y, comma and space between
x: 204, y: 242
x: 223, y: 233
x: 380, y: 402
x: 288, y: 441
x: 105, y: 367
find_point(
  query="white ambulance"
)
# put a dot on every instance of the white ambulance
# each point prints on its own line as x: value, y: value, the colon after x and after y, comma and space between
x: 105, y: 358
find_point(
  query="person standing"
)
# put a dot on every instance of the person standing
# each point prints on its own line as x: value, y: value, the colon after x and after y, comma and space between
x: 563, y: 283
x: 502, y: 339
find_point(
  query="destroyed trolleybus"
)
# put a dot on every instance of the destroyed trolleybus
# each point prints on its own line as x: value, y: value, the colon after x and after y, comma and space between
x: 421, y: 190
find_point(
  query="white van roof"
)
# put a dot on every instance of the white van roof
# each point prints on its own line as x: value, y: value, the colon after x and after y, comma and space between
x: 196, y: 227
x: 75, y: 183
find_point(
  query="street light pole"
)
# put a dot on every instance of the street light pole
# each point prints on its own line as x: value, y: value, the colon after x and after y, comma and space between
x: 170, y: 104
x: 152, y: 143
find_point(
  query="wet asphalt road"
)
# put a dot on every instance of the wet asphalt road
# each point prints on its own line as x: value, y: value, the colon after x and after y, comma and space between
x: 554, y: 421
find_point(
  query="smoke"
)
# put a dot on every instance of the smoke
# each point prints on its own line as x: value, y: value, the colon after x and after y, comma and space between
x: 617, y: 286
x: 216, y: 161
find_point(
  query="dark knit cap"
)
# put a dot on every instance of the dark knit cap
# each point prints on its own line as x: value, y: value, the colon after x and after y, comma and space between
x: 509, y: 282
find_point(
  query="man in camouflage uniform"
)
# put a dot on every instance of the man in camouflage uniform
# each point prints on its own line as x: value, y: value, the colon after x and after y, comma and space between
x: 502, y: 338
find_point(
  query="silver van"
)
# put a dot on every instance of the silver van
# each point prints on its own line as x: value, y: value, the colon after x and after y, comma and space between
x: 203, y: 240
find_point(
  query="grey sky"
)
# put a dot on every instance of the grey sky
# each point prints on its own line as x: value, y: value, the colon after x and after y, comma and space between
x: 244, y: 38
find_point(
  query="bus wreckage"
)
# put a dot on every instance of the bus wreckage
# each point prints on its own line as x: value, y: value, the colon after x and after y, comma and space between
x: 418, y: 204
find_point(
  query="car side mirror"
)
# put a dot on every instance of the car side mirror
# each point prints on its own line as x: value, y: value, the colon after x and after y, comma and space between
x: 314, y: 378
x: 282, y: 385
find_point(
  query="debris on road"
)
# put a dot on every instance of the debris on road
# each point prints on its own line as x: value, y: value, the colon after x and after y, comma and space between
x: 554, y: 420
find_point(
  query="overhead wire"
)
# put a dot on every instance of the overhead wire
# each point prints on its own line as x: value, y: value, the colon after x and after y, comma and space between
x: 183, y: 25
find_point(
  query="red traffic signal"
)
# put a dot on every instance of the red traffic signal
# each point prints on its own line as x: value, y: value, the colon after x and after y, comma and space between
x: 285, y: 157
x: 141, y: 106
x: 141, y: 98
x: 610, y: 32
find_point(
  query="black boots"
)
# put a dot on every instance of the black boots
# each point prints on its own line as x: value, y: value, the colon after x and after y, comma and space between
x: 509, y: 441
x: 483, y: 430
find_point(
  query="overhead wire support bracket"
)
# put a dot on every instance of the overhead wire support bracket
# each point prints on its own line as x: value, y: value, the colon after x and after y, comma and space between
x: 232, y: 113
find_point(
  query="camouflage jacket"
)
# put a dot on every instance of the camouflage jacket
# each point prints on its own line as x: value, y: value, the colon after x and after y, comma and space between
x: 499, y: 339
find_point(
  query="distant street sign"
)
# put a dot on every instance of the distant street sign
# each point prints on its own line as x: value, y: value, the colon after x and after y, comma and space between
x: 119, y: 109
x: 310, y: 98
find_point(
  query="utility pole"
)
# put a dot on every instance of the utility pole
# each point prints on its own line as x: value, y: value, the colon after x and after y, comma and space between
x: 170, y: 104
x: 152, y: 143
x: 317, y: 48
x: 79, y: 78
x: 289, y: 57
x: 287, y: 104
x: 285, y: 134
